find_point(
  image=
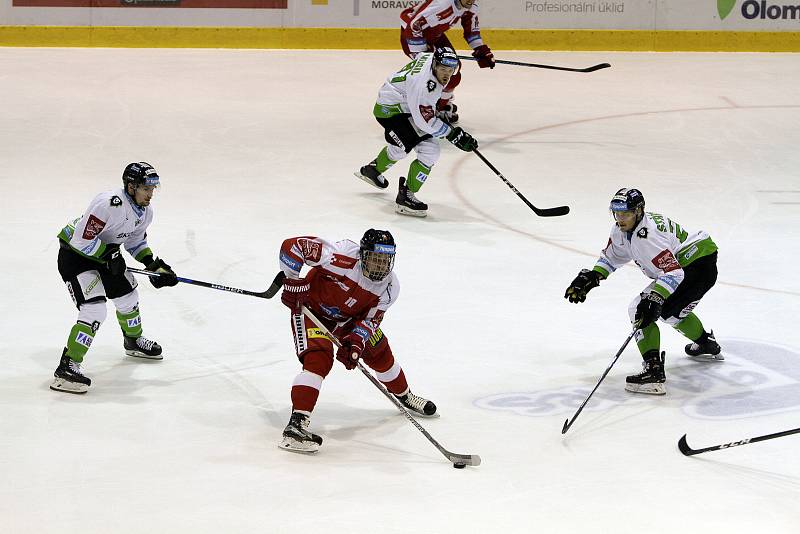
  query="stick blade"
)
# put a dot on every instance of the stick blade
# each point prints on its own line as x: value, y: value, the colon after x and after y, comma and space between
x: 553, y: 212
x: 683, y: 446
x: 275, y: 286
x: 566, y: 427
x: 467, y: 459
x: 598, y: 67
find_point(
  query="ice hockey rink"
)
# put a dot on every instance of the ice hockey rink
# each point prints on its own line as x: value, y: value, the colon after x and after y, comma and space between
x: 257, y: 146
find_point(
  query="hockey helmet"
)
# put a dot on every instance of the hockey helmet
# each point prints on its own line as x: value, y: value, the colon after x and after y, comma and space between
x: 627, y: 200
x: 140, y: 173
x: 377, y: 250
x: 446, y: 57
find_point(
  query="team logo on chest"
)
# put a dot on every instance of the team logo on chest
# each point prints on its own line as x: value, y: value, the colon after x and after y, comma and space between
x: 642, y: 233
x: 431, y: 86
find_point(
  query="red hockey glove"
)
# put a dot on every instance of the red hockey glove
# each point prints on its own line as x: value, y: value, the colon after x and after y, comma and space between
x: 484, y: 56
x: 352, y: 347
x: 295, y: 293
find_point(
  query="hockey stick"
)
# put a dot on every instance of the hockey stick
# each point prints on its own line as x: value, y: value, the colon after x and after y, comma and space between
x: 688, y: 451
x: 541, y: 212
x: 457, y: 459
x: 568, y: 422
x: 539, y: 66
x: 268, y: 294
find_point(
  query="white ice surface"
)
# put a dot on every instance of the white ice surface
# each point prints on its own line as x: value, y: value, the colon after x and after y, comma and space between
x: 257, y: 146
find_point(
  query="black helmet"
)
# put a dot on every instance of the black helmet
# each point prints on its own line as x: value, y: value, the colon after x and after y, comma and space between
x: 445, y: 56
x: 140, y: 173
x: 627, y: 200
x: 377, y: 254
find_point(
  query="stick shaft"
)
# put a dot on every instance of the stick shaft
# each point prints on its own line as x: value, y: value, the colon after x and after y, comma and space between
x: 568, y: 423
x: 688, y: 451
x: 269, y: 293
x: 540, y: 66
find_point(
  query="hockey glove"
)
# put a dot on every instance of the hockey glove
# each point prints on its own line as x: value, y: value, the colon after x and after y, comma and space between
x: 484, y: 56
x: 115, y: 262
x: 583, y: 283
x: 352, y: 347
x: 648, y: 310
x: 295, y: 293
x: 462, y: 139
x: 167, y: 276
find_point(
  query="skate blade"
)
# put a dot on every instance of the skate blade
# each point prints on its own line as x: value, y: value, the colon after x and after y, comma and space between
x: 138, y: 354
x: 59, y: 384
x: 302, y: 447
x: 382, y: 185
x: 402, y: 210
x: 708, y: 357
x: 648, y: 389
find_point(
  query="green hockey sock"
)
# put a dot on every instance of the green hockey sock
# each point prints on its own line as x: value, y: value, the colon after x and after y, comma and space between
x: 383, y: 162
x: 417, y: 174
x: 79, y: 341
x: 131, y: 323
x: 690, y: 327
x: 651, y: 339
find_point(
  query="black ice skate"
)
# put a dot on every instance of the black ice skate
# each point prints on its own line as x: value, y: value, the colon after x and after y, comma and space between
x: 651, y: 379
x: 407, y: 203
x: 705, y: 348
x: 369, y: 173
x: 69, y: 377
x: 448, y: 113
x: 141, y: 347
x: 418, y: 405
x: 297, y: 438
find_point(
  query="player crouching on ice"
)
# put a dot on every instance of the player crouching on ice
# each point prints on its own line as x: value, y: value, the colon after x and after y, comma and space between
x: 683, y: 267
x: 349, y: 288
x: 406, y: 108
x: 91, y: 264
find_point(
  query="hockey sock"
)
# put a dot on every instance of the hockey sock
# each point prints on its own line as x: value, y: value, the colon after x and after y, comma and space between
x: 650, y: 339
x: 394, y: 379
x: 79, y: 341
x: 691, y: 327
x: 417, y: 174
x: 131, y: 322
x: 383, y: 162
x: 305, y: 391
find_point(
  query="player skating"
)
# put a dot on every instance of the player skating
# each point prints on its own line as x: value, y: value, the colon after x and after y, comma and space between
x: 423, y: 31
x: 349, y: 288
x: 91, y: 264
x: 683, y: 267
x: 406, y: 109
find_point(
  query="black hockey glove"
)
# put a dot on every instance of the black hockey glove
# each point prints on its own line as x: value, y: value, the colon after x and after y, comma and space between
x: 583, y: 283
x: 114, y: 260
x: 167, y: 277
x: 648, y: 310
x: 462, y: 139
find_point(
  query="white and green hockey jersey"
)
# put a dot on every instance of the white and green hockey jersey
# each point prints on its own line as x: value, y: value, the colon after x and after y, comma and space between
x: 414, y: 90
x: 111, y: 218
x: 660, y: 247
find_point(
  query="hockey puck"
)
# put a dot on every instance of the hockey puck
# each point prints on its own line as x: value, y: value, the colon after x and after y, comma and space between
x: 459, y: 465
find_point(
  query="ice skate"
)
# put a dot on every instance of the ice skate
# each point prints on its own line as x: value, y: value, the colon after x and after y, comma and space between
x: 705, y: 348
x: 141, y: 347
x: 369, y: 173
x: 296, y: 436
x: 69, y: 377
x: 651, y: 379
x: 407, y: 203
x: 418, y: 405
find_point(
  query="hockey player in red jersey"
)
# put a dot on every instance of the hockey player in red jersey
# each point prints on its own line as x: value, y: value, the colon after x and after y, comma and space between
x: 423, y: 31
x: 349, y: 288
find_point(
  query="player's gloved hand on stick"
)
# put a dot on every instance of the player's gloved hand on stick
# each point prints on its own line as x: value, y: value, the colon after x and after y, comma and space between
x: 351, y: 349
x: 295, y: 293
x: 167, y: 275
x: 583, y: 283
x: 115, y: 261
x: 648, y: 310
x: 484, y: 56
x: 462, y: 139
